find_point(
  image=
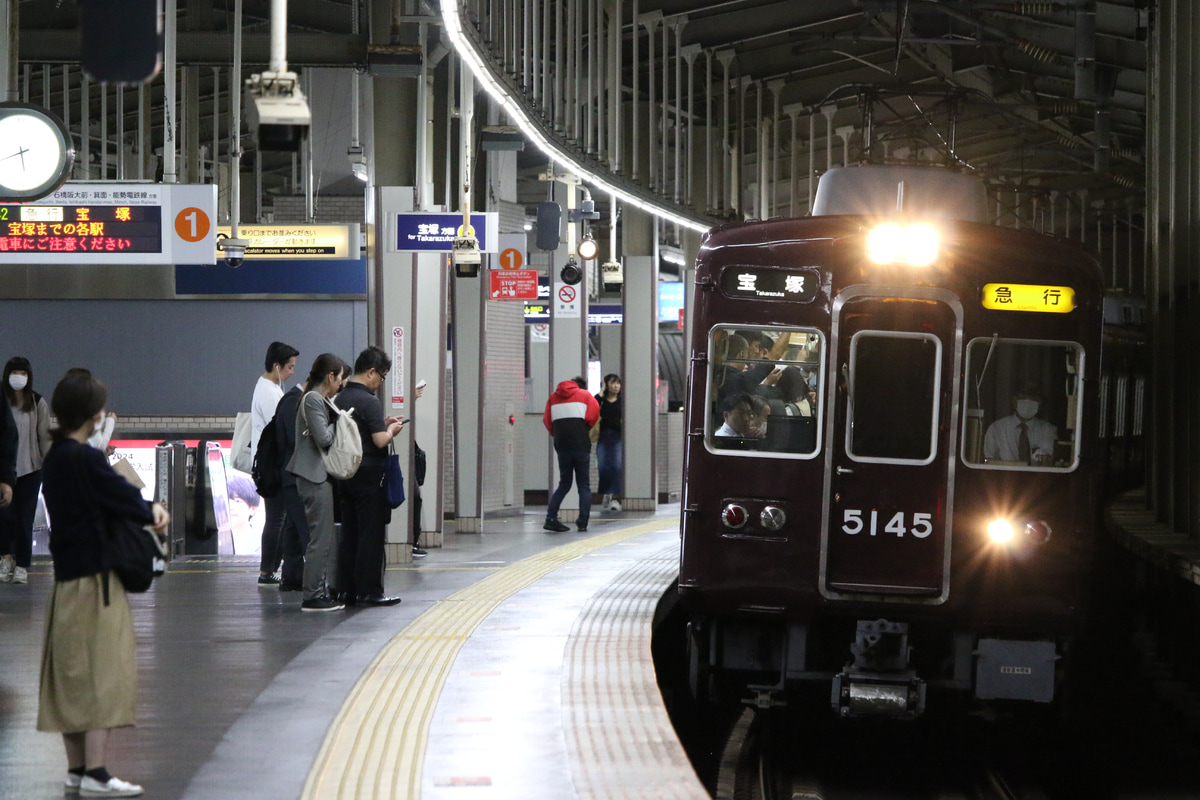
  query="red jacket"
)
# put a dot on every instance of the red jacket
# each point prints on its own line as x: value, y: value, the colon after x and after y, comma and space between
x: 570, y: 414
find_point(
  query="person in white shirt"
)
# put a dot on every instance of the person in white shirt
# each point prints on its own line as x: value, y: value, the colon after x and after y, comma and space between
x: 280, y: 363
x: 1022, y: 438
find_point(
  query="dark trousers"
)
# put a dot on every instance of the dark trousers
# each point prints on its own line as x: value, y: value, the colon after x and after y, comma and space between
x: 574, y: 461
x: 365, y: 515
x: 294, y: 537
x: 415, y: 497
x: 16, y: 521
x: 272, y: 527
x: 609, y: 458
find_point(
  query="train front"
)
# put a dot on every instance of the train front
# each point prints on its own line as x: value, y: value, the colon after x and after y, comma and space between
x: 889, y: 487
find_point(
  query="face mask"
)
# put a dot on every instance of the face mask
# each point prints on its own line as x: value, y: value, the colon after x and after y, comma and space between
x: 18, y: 382
x: 1027, y: 409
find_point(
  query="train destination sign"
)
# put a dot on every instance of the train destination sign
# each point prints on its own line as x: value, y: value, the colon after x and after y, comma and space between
x: 764, y: 283
x: 80, y: 229
x: 1027, y: 297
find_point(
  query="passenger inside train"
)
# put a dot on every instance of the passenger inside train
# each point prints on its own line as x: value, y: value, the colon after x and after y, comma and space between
x: 774, y: 367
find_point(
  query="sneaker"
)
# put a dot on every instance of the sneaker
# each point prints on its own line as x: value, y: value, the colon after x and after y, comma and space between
x: 581, y: 528
x: 322, y: 604
x: 614, y: 506
x: 555, y: 525
x: 90, y: 787
x: 268, y: 580
x: 71, y: 784
x: 7, y: 564
x: 418, y: 552
x: 284, y: 586
x: 20, y: 575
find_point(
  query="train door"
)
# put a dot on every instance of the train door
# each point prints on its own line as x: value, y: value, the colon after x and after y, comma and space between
x: 890, y: 440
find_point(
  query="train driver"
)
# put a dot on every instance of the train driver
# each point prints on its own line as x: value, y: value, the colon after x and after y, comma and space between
x: 1021, y: 437
x: 745, y: 417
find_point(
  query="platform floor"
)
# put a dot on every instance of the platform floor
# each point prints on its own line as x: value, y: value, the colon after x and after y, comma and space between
x: 516, y: 667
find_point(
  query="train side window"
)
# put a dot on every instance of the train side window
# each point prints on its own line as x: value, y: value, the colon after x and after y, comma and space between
x: 1022, y: 408
x: 764, y: 389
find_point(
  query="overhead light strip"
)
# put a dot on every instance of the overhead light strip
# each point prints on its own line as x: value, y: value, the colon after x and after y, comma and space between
x: 516, y: 111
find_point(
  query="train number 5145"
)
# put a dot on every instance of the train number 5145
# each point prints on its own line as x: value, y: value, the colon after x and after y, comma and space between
x: 920, y: 526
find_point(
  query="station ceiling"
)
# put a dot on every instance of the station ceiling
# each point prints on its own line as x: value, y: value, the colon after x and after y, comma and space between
x: 1049, y: 96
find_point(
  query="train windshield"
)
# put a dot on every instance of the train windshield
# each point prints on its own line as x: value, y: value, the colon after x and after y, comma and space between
x: 895, y: 379
x: 764, y: 390
x: 1022, y: 406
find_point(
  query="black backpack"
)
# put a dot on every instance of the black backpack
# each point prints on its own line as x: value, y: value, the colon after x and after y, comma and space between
x: 266, y: 469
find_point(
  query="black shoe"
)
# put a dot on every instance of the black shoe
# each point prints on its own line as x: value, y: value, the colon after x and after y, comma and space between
x: 271, y: 579
x: 555, y: 525
x: 322, y: 604
x: 284, y: 586
x: 581, y: 528
x: 377, y: 600
x: 418, y: 552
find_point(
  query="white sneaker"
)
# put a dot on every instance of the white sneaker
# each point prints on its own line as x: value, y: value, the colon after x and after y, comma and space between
x: 71, y: 784
x: 614, y: 506
x: 7, y: 563
x: 20, y: 575
x: 90, y: 787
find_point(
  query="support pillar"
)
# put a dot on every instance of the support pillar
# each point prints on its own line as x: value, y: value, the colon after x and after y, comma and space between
x: 640, y: 351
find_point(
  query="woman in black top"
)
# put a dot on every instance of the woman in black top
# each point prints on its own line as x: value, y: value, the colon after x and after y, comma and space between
x: 609, y: 448
x: 89, y: 667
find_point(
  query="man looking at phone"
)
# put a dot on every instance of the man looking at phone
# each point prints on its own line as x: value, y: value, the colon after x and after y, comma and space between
x: 365, y: 512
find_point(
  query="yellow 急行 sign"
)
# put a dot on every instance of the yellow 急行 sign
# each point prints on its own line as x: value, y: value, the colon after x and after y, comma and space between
x: 1027, y: 297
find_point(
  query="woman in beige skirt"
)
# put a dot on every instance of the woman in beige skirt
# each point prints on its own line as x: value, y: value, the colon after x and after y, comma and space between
x: 89, y: 667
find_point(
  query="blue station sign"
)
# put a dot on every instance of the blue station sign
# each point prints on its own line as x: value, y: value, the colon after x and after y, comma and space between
x: 435, y: 233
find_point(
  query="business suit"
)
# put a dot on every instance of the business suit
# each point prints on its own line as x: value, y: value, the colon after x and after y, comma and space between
x: 314, y: 432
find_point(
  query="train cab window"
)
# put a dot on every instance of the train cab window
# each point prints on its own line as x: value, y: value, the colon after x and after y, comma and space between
x: 1022, y: 406
x: 894, y: 379
x: 764, y: 390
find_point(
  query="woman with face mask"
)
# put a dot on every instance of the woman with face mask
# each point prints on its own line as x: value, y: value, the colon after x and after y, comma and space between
x: 31, y: 415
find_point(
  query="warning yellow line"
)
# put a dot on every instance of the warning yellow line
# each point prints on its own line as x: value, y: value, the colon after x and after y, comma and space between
x: 375, y: 747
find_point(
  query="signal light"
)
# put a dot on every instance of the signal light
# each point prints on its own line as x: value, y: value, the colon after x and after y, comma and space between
x: 916, y: 245
x: 588, y: 249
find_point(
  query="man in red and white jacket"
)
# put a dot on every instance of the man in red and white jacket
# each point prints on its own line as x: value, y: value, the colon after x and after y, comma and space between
x: 570, y: 414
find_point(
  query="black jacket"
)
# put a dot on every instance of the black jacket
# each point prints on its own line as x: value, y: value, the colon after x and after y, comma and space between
x: 8, y: 446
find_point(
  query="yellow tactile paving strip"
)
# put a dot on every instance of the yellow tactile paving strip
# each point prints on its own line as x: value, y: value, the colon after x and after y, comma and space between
x: 375, y: 747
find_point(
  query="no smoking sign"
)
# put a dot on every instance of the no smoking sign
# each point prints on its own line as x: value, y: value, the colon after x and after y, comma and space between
x: 566, y: 302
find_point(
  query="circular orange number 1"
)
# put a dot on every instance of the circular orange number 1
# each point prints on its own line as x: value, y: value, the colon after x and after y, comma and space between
x: 192, y: 224
x: 511, y: 259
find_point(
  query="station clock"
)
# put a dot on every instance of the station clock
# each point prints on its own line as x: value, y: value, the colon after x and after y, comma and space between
x: 36, y: 152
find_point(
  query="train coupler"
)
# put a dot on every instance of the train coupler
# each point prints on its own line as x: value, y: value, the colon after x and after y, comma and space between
x: 860, y: 695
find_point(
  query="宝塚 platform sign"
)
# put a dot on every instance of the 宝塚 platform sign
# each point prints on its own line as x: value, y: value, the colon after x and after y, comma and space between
x: 112, y: 223
x: 1027, y: 297
x: 426, y: 232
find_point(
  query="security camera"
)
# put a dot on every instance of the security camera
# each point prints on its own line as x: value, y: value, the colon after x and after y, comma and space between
x: 234, y: 250
x: 277, y: 111
x: 571, y: 274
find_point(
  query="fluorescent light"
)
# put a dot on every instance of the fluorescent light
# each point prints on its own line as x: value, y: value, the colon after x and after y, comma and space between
x: 516, y: 113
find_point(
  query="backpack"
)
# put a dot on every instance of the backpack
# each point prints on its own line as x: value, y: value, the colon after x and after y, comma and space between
x: 266, y: 469
x: 344, y: 455
x: 239, y: 451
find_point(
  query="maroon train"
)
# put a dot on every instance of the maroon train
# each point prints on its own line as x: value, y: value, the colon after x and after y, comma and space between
x: 895, y: 450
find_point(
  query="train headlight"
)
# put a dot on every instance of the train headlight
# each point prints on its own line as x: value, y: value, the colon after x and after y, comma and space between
x: 772, y: 518
x: 1038, y: 531
x: 916, y: 245
x: 1001, y: 531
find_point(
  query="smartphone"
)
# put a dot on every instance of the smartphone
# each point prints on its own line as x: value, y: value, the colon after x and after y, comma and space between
x: 405, y: 420
x: 420, y: 384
